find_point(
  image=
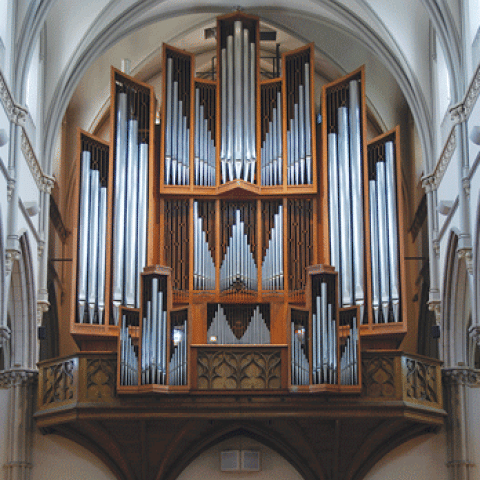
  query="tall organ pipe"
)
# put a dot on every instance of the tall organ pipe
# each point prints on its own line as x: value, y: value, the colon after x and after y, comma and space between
x: 168, y: 121
x: 102, y: 238
x: 345, y: 209
x: 230, y: 124
x: 93, y: 242
x: 333, y: 205
x: 132, y: 212
x: 308, y: 125
x: 382, y: 239
x: 238, y: 82
x: 174, y: 132
x: 374, y: 249
x: 392, y: 229
x: 142, y: 215
x: 119, y: 205
x: 83, y: 235
x: 356, y: 192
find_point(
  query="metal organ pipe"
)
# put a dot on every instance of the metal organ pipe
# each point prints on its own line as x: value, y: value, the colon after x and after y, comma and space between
x: 93, y: 242
x: 130, y: 203
x: 91, y: 238
x: 119, y: 205
x: 168, y: 121
x: 272, y: 267
x: 382, y: 239
x: 324, y: 339
x: 141, y: 260
x: 349, y: 357
x: 299, y: 137
x: 384, y: 246
x: 154, y: 336
x: 345, y: 207
x: 308, y: 127
x: 132, y: 212
x: 83, y: 235
x: 238, y: 150
x: 238, y: 265
x: 356, y: 193
x: 392, y: 229
x: 374, y: 249
x: 102, y: 238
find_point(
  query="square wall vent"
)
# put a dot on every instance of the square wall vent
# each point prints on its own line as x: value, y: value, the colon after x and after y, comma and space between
x: 230, y: 460
x: 251, y: 460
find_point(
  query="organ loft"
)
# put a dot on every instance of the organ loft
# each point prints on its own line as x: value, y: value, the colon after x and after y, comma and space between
x: 242, y: 258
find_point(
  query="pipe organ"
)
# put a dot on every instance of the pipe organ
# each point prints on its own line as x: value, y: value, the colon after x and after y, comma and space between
x: 230, y: 225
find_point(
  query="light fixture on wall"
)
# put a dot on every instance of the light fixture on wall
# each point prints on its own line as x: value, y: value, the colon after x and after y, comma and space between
x: 475, y: 135
x: 31, y: 208
x: 3, y: 137
x: 444, y: 207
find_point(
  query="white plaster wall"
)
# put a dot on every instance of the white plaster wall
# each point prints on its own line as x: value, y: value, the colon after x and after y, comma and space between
x: 418, y: 459
x: 55, y: 457
x: 207, y: 465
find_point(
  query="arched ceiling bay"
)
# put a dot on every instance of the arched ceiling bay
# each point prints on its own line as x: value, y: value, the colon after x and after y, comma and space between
x: 391, y: 38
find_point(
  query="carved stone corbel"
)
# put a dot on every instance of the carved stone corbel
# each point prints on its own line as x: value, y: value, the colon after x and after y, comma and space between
x: 5, y: 334
x: 467, y: 254
x: 474, y: 333
x: 458, y: 113
x: 11, y: 255
x: 17, y: 377
x: 435, y: 306
x: 43, y: 306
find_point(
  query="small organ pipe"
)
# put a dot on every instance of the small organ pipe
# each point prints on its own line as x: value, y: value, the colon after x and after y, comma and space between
x: 174, y: 133
x: 83, y: 234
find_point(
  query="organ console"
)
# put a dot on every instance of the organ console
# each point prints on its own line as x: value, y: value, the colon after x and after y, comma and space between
x: 225, y: 227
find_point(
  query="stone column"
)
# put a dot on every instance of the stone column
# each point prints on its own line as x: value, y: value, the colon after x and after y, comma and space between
x: 456, y: 382
x: 21, y: 384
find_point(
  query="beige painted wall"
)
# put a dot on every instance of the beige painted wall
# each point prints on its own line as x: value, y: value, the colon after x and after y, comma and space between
x: 419, y: 459
x: 422, y: 458
x: 207, y: 465
x: 55, y: 457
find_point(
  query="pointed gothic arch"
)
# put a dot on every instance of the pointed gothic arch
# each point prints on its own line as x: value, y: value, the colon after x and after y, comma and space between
x: 21, y: 309
x: 457, y: 308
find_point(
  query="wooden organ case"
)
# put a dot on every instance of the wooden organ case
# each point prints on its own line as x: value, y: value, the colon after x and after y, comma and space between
x: 230, y: 249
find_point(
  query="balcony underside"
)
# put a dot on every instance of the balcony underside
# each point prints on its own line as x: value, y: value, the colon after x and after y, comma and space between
x: 325, y: 436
